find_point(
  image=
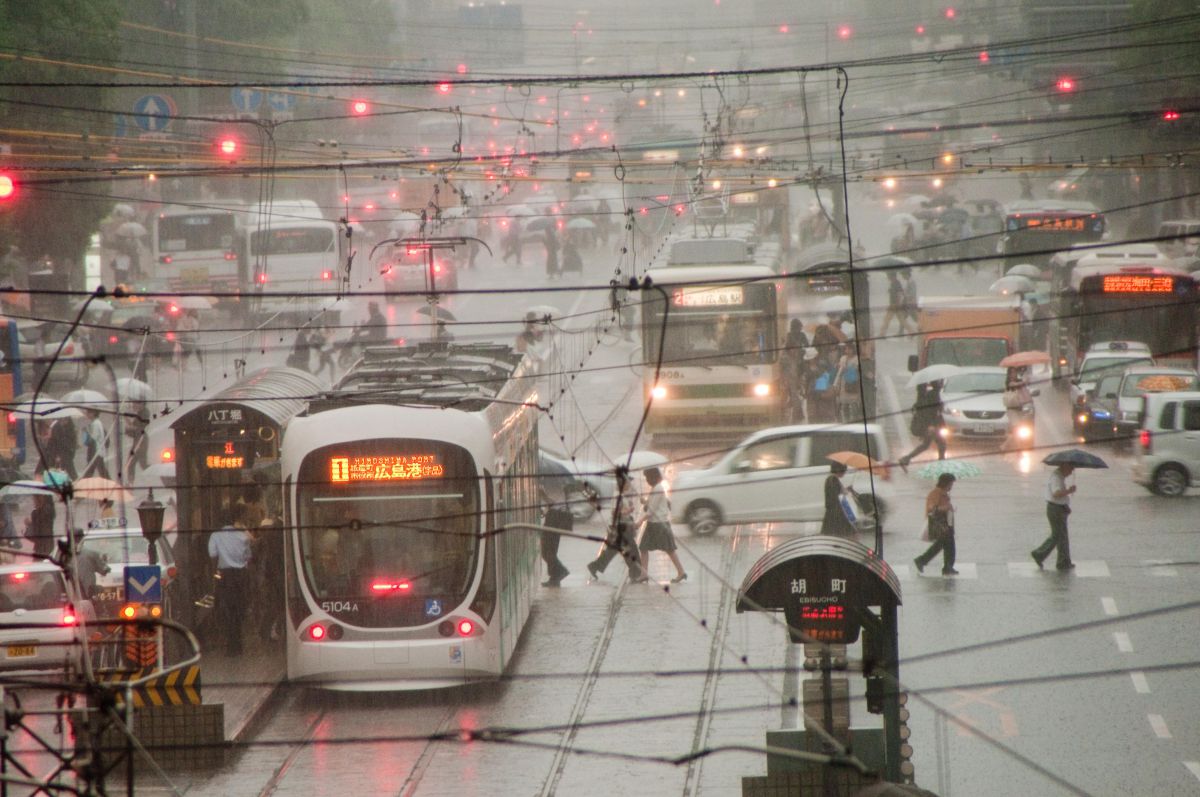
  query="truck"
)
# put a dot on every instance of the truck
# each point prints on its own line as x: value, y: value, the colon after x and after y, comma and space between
x: 966, y: 330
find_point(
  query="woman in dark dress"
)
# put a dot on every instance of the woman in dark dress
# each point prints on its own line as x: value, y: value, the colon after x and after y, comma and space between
x: 835, y: 521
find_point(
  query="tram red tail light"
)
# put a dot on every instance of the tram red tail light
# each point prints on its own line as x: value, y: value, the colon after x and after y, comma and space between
x: 387, y: 587
x: 316, y: 632
x: 465, y: 628
x: 326, y: 275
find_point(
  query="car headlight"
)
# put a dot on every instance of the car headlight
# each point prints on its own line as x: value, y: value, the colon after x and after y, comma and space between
x: 955, y: 411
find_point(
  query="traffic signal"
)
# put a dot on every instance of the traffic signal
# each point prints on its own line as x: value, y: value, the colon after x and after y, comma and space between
x: 445, y: 87
x: 359, y: 107
x: 8, y: 186
x: 1170, y: 115
x: 229, y: 147
x: 1065, y: 85
x: 844, y: 32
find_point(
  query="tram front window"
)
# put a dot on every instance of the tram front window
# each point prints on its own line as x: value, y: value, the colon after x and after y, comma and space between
x: 380, y: 549
x: 713, y: 335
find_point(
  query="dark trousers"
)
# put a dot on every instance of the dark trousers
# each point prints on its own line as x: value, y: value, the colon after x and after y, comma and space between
x: 1057, y: 515
x: 946, y: 546
x: 926, y: 441
x: 230, y: 595
x: 555, y: 569
x: 623, y: 542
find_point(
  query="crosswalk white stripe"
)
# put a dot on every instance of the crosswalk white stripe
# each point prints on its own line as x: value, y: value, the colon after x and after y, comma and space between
x: 1159, y: 725
x: 1193, y: 767
x: 1110, y: 607
x: 1140, y: 684
x: 1124, y: 644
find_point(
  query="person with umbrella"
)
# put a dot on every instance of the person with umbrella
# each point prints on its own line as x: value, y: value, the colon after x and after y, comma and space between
x: 926, y: 422
x: 836, y: 522
x: 939, y: 512
x: 657, y: 535
x: 556, y: 514
x: 1058, y: 504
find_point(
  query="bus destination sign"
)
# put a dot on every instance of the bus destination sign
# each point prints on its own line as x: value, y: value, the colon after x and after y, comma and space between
x: 385, y: 468
x: 708, y: 296
x: 1056, y: 223
x: 1138, y: 283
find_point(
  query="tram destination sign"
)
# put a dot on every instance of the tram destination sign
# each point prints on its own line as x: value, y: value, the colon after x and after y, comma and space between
x: 230, y: 455
x: 385, y: 468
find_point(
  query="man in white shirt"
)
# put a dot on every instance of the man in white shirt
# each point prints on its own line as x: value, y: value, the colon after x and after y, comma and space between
x: 229, y: 548
x: 1058, y: 506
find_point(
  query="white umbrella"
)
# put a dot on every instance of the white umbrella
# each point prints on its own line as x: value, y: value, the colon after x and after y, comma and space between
x: 1006, y: 286
x: 640, y: 460
x: 896, y: 224
x: 45, y: 408
x: 581, y: 224
x: 1025, y: 270
x: 131, y: 229
x: 127, y: 211
x: 932, y: 373
x: 25, y: 487
x: 834, y: 304
x: 134, y: 389
x: 85, y: 398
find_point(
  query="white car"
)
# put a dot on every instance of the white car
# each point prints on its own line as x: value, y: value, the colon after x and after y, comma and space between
x: 973, y: 402
x: 118, y: 547
x: 1108, y: 357
x: 776, y: 475
x: 35, y: 595
x: 1167, y: 455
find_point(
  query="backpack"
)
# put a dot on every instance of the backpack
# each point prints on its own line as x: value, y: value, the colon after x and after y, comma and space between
x: 850, y: 375
x: 824, y: 382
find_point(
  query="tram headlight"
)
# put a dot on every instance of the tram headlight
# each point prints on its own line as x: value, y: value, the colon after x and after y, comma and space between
x: 762, y: 389
x: 446, y: 628
x: 658, y: 392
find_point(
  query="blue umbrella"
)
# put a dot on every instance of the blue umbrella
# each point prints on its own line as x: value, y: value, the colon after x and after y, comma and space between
x: 1077, y: 457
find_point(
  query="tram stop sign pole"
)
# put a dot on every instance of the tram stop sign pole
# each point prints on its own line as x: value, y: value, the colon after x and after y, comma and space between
x: 828, y: 589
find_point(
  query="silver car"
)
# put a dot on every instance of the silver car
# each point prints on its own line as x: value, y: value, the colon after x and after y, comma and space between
x: 973, y: 407
x: 39, y: 622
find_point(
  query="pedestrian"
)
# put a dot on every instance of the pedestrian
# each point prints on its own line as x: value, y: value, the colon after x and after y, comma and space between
x: 60, y: 444
x: 1058, y: 507
x: 621, y: 537
x: 267, y: 556
x: 510, y: 244
x: 926, y: 422
x: 551, y: 242
x: 229, y: 548
x: 794, y: 349
x: 556, y: 515
x: 910, y: 296
x: 847, y: 387
x: 187, y: 334
x: 95, y: 445
x: 939, y: 528
x: 571, y: 260
x: 896, y: 307
x: 321, y: 342
x: 1016, y: 398
x: 301, y: 352
x: 657, y: 535
x: 837, y: 522
x: 39, y: 526
x: 89, y: 563
x: 822, y: 392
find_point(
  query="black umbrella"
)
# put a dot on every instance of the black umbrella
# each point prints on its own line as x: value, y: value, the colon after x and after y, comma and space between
x: 442, y: 313
x: 1077, y: 457
x: 541, y: 223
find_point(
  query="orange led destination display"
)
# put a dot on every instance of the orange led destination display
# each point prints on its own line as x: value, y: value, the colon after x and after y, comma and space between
x: 385, y: 468
x: 715, y: 296
x: 1057, y: 223
x: 1138, y: 283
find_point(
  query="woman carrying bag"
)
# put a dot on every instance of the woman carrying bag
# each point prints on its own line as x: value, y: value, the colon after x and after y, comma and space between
x: 657, y: 535
x: 939, y: 512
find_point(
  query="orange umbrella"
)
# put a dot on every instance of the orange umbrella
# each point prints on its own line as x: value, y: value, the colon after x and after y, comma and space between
x: 1024, y: 358
x: 98, y: 488
x: 853, y: 459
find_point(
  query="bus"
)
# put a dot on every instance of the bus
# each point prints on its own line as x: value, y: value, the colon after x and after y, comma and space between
x: 407, y: 488
x: 293, y: 250
x: 198, y: 247
x: 1035, y: 229
x: 720, y: 351
x: 1151, y: 304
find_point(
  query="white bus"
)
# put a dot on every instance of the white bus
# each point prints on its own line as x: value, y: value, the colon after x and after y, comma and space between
x: 721, y: 349
x: 199, y: 247
x: 401, y: 488
x: 295, y: 256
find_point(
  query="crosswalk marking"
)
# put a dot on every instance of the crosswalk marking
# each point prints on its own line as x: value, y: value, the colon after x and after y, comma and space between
x: 1193, y: 767
x: 1140, y: 684
x: 1159, y: 725
x: 1123, y: 642
x: 1110, y: 607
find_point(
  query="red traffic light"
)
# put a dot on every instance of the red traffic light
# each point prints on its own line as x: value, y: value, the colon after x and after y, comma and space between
x: 360, y: 107
x: 1170, y: 115
x: 229, y: 147
x: 1065, y: 84
x: 951, y: 13
x: 845, y: 32
x: 445, y: 88
x: 984, y: 57
x: 8, y: 186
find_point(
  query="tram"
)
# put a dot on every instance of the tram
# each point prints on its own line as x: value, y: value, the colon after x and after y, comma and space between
x: 401, y: 486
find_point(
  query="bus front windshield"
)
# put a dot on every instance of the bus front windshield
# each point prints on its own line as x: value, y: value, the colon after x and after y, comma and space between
x: 1165, y: 323
x: 712, y: 326
x: 387, y: 529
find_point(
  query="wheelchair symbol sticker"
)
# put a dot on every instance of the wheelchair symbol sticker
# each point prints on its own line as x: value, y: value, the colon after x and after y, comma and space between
x: 456, y: 655
x: 433, y: 607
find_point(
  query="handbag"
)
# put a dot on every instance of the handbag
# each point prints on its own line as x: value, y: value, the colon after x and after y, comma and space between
x: 938, y: 527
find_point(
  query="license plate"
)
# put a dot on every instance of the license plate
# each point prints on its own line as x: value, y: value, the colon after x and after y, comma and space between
x: 981, y: 429
x: 110, y: 595
x: 194, y: 274
x: 21, y: 651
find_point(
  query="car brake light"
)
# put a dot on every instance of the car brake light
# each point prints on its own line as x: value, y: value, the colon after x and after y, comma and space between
x: 316, y: 632
x: 113, y: 338
x: 326, y: 275
x: 69, y: 617
x: 262, y: 279
x: 19, y: 576
x: 166, y: 259
x: 231, y: 255
x: 1144, y: 440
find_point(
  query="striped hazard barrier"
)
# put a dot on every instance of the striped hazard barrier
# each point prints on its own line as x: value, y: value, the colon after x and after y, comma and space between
x: 176, y: 688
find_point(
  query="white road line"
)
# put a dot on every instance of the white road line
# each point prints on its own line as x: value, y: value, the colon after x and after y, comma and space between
x: 1193, y: 767
x: 1123, y: 643
x: 1110, y: 607
x: 1140, y: 684
x: 1159, y: 725
x: 1096, y: 568
x: 1022, y: 569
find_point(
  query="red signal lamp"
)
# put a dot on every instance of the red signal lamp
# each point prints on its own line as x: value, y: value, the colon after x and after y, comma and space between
x: 8, y: 186
x: 465, y: 628
x: 360, y: 107
x: 445, y: 88
x: 229, y: 147
x: 1065, y: 84
x: 1170, y: 115
x: 844, y: 32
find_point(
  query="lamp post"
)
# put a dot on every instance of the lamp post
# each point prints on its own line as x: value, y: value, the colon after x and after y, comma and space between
x: 150, y: 513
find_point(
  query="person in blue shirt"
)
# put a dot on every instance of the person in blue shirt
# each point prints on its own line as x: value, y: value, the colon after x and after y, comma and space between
x: 229, y: 548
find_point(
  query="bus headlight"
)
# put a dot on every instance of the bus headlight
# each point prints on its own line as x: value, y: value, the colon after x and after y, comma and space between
x: 762, y: 390
x: 658, y: 392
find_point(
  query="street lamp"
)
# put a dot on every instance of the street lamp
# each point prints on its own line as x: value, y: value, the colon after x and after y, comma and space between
x: 150, y: 513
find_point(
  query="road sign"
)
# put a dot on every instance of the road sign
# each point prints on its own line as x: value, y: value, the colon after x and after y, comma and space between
x: 152, y: 112
x: 281, y: 101
x: 246, y: 100
x: 143, y: 584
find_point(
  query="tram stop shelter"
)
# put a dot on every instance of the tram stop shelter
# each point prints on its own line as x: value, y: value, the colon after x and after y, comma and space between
x: 830, y: 589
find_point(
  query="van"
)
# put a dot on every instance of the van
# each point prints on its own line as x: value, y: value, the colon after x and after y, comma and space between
x: 777, y: 475
x: 1168, y: 447
x: 1179, y: 237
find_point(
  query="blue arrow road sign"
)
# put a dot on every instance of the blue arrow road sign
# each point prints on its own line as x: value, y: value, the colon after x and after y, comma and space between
x: 143, y: 584
x: 281, y: 101
x: 246, y: 100
x: 152, y: 112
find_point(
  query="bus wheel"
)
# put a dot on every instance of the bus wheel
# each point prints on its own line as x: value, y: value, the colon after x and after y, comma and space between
x: 703, y: 518
x: 1170, y: 480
